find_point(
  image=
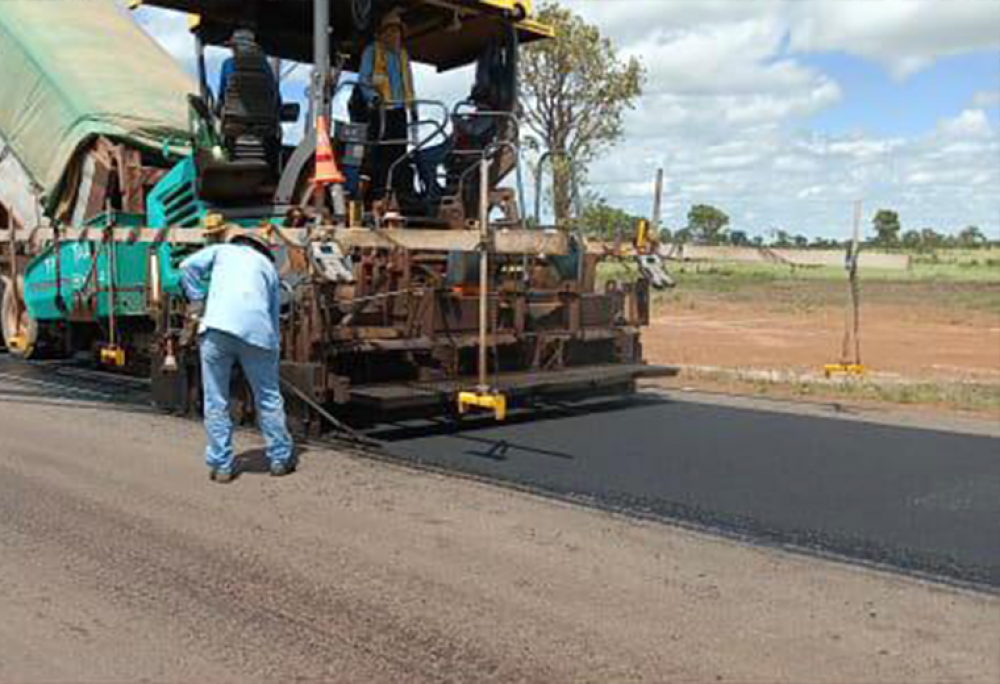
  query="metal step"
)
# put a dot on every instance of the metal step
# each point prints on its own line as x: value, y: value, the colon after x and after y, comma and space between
x: 589, y: 380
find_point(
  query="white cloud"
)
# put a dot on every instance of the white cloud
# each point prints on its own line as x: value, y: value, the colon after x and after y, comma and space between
x: 971, y: 123
x: 171, y: 30
x: 732, y: 71
x: 986, y: 99
x: 903, y: 35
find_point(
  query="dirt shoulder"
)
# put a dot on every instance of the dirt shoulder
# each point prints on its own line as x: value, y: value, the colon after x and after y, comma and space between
x: 119, y: 561
x: 923, y: 344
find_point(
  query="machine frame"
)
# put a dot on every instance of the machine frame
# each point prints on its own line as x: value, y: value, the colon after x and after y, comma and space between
x: 385, y: 310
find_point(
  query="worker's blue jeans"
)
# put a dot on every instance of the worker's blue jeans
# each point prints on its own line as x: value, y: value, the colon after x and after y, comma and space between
x: 219, y: 353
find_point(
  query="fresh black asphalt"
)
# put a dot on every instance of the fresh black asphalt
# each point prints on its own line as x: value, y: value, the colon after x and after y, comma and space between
x: 924, y: 501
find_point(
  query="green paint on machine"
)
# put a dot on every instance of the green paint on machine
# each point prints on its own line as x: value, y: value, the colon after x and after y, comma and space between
x: 80, y: 278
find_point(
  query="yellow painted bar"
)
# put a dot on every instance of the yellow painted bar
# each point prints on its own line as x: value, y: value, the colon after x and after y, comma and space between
x: 491, y: 402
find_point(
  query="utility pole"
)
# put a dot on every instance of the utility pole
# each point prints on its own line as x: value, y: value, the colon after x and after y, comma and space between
x: 855, y: 291
x: 852, y: 312
x: 658, y: 202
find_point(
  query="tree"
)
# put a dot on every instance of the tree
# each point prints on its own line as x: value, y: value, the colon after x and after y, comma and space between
x: 682, y: 236
x: 602, y: 221
x: 824, y: 243
x: 930, y: 239
x: 739, y: 238
x: 911, y: 239
x: 971, y: 237
x: 887, y: 227
x: 707, y: 224
x: 574, y: 93
x: 781, y: 239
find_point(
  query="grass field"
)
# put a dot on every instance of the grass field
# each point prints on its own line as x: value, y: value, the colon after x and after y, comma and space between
x: 930, y: 333
x: 980, y: 398
x: 951, y: 265
x: 956, y: 265
x: 967, y: 279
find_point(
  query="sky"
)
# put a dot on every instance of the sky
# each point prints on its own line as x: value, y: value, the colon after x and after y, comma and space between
x: 784, y: 113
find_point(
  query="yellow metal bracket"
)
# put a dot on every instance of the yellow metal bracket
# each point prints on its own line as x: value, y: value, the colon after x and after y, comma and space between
x: 17, y: 343
x: 832, y: 369
x: 642, y: 235
x: 495, y: 402
x: 113, y: 355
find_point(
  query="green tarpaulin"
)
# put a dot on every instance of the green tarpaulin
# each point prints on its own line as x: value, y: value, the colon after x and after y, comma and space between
x: 74, y: 69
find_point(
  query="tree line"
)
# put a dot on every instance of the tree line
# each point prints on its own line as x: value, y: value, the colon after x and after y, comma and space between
x: 709, y: 225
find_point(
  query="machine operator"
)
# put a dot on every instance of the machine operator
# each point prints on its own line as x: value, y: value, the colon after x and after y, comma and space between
x: 233, y: 294
x: 386, y: 73
x: 242, y: 39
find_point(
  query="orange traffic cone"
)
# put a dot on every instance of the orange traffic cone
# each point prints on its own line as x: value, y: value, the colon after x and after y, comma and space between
x: 327, y: 170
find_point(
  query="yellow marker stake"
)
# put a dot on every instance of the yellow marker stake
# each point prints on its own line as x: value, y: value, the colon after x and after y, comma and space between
x: 843, y: 369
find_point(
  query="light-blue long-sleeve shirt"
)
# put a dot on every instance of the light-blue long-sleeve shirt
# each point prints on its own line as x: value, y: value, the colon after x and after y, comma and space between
x: 242, y: 290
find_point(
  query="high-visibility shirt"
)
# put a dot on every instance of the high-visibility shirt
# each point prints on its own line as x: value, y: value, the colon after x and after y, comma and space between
x: 241, y: 291
x: 388, y: 72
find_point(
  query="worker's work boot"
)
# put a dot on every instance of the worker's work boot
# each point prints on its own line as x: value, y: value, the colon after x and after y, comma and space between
x: 221, y: 476
x: 282, y: 468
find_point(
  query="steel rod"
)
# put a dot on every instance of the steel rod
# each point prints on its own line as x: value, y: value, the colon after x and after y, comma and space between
x: 321, y: 56
x: 15, y: 297
x: 484, y: 265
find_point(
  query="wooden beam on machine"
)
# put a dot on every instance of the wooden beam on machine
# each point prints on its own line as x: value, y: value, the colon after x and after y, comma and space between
x: 510, y: 242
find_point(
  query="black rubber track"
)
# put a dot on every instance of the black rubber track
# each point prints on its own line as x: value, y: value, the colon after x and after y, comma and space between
x: 920, y: 500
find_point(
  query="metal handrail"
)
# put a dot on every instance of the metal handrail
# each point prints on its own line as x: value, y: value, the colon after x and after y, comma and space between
x: 514, y: 145
x: 440, y: 129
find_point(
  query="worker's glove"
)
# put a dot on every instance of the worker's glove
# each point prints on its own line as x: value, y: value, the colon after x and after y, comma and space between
x: 196, y: 310
x: 192, y: 320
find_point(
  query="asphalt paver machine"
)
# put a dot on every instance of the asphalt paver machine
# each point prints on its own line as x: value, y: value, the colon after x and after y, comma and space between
x: 412, y: 280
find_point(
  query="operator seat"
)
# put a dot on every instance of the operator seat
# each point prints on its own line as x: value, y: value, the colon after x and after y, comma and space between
x: 251, y: 106
x: 250, y: 128
x: 482, y: 124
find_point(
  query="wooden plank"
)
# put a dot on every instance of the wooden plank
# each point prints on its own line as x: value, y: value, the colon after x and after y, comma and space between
x: 782, y: 255
x: 513, y: 242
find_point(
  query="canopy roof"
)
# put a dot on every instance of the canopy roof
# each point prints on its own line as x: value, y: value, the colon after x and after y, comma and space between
x: 284, y: 28
x: 76, y: 69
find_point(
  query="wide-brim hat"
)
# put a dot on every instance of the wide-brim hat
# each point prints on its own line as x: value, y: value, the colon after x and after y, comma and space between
x: 253, y: 240
x: 241, y: 36
x: 391, y: 19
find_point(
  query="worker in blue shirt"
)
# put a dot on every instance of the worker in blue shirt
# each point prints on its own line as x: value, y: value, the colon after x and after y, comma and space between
x: 242, y: 39
x: 233, y: 292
